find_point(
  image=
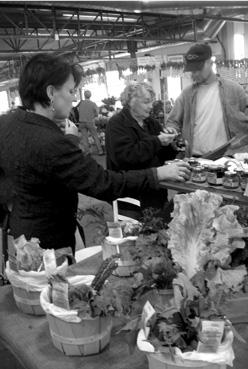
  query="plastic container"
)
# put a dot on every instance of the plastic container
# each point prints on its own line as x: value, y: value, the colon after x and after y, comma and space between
x: 161, y: 297
x: 126, y: 265
x: 230, y: 180
x: 243, y: 180
x: 215, y: 175
x: 193, y: 162
x: 162, y: 361
x: 198, y: 174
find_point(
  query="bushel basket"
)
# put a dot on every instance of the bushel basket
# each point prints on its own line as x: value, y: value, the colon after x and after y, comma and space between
x: 27, y: 287
x: 72, y: 335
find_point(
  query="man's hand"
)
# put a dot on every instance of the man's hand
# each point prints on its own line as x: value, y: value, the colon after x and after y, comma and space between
x: 178, y: 171
x: 170, y: 130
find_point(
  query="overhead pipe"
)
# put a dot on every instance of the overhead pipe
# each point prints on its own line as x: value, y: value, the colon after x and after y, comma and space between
x: 213, y: 29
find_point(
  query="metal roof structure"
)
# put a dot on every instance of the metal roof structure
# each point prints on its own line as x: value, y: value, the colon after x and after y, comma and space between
x: 90, y: 30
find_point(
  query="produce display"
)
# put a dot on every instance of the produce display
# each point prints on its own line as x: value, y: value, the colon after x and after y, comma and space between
x: 228, y: 173
x: 201, y: 237
x: 29, y: 254
x: 200, y: 256
x: 89, y: 300
x: 202, y: 230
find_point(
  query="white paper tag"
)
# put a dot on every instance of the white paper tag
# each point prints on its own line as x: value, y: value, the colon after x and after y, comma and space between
x: 211, y: 336
x: 147, y: 313
x: 246, y: 190
x: 49, y: 260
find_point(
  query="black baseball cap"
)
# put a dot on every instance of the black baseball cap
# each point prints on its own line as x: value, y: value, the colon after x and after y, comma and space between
x: 196, y: 57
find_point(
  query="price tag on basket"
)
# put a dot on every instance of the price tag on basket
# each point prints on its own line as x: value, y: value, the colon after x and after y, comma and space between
x: 147, y: 313
x: 246, y: 190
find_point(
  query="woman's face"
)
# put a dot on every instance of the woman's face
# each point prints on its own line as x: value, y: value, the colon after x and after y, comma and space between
x: 63, y: 98
x: 141, y: 106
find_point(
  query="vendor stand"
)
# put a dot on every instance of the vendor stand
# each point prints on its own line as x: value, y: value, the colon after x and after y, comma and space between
x: 236, y: 195
x: 29, y: 340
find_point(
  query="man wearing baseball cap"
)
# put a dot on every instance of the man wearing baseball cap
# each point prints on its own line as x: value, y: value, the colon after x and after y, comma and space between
x: 196, y: 57
x: 210, y: 111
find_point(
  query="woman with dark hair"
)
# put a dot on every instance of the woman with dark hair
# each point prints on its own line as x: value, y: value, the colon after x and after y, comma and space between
x: 46, y: 169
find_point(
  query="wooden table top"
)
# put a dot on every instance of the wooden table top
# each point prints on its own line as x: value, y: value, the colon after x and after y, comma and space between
x: 236, y: 195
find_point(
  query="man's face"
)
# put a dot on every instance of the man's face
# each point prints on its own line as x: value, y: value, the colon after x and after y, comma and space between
x: 203, y: 74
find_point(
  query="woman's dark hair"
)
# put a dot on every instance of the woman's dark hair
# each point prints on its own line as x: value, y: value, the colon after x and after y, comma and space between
x: 41, y: 71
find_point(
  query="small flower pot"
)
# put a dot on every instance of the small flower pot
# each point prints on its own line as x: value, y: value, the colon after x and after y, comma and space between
x: 126, y: 265
x: 236, y: 308
x: 162, y: 297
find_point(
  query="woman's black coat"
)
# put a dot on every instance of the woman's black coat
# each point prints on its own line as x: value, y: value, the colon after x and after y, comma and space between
x: 129, y: 146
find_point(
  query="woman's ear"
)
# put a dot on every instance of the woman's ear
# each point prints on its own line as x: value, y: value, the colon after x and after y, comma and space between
x: 50, y: 92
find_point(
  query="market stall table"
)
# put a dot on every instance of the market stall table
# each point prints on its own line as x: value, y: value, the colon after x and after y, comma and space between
x: 28, y: 337
x: 236, y: 195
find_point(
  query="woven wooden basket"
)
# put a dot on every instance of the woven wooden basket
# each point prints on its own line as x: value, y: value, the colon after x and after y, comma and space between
x: 88, y: 337
x: 28, y: 301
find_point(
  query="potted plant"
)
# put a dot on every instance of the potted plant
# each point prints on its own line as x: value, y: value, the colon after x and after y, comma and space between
x: 80, y: 309
x: 27, y: 273
x: 193, y: 334
x: 156, y: 269
x: 204, y: 234
x: 200, y: 238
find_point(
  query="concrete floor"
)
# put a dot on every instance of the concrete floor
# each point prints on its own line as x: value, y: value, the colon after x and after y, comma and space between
x: 7, y: 361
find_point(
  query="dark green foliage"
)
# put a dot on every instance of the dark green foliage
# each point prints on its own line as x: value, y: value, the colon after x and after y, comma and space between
x: 109, y: 100
x: 152, y: 254
x: 240, y: 256
x: 151, y: 221
x: 105, y: 270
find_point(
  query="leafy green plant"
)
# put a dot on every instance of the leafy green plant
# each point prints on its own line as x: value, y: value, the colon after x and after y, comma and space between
x: 156, y: 268
x: 98, y: 299
x: 179, y: 325
x: 109, y: 100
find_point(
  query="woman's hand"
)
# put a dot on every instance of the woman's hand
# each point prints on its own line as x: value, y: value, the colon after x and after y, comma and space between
x: 166, y: 138
x: 70, y: 128
x: 178, y: 171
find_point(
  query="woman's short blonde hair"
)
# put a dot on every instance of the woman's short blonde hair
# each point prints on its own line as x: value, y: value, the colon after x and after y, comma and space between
x: 135, y: 90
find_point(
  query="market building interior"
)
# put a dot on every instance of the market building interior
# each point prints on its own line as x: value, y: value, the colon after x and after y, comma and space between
x: 117, y: 43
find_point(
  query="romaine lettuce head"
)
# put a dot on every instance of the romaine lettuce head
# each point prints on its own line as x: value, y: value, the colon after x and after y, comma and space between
x: 200, y: 230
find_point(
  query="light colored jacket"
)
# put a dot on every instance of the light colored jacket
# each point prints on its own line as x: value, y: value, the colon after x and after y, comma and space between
x: 234, y: 104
